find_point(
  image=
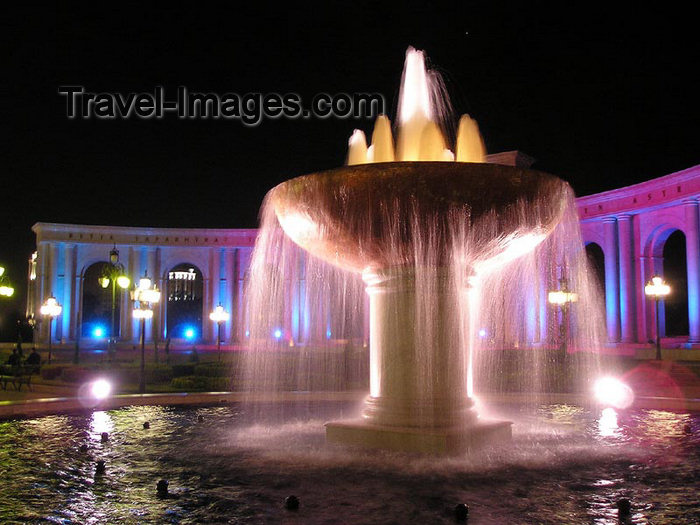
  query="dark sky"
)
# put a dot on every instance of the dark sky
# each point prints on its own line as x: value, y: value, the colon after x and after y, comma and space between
x: 599, y: 93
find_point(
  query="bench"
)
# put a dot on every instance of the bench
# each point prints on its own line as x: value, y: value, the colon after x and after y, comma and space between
x: 17, y: 377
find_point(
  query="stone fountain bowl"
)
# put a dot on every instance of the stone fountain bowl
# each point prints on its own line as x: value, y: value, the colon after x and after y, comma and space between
x: 373, y: 216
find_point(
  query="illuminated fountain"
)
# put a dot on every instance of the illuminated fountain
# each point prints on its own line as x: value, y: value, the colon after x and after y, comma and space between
x: 425, y: 228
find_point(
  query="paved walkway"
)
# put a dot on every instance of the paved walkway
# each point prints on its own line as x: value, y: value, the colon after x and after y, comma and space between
x: 38, y: 391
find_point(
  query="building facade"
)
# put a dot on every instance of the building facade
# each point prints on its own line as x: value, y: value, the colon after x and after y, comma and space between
x: 631, y: 225
x: 208, y: 267
x: 67, y: 252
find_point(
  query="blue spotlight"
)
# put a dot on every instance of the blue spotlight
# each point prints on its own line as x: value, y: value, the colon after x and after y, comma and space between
x: 98, y: 332
x: 278, y: 334
x: 190, y: 333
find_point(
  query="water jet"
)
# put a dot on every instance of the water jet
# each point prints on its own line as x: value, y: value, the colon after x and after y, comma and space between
x: 426, y: 236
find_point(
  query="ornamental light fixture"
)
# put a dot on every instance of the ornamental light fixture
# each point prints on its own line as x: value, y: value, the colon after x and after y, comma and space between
x: 657, y: 289
x: 50, y: 309
x: 6, y: 289
x: 144, y: 296
x: 219, y: 315
x: 562, y: 298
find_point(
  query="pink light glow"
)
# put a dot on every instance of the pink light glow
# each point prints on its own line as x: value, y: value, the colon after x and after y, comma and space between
x: 101, y: 389
x: 613, y: 392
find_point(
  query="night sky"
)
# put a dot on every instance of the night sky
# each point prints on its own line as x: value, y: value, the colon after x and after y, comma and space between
x: 600, y: 94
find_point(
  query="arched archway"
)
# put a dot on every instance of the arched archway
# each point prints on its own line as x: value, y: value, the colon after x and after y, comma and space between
x: 675, y: 273
x: 100, y: 315
x: 596, y: 261
x: 184, y: 295
x: 665, y: 251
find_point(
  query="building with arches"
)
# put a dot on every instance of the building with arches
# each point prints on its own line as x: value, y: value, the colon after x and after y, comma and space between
x: 202, y: 266
x: 626, y: 229
x: 631, y: 227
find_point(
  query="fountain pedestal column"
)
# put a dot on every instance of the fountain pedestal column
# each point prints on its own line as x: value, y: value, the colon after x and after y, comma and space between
x: 418, y: 397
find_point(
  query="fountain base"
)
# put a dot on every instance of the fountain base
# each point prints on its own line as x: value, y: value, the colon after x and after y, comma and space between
x: 450, y: 440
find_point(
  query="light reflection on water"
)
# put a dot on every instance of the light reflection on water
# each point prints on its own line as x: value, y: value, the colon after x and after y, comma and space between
x: 607, y: 423
x: 101, y: 421
x: 565, y: 465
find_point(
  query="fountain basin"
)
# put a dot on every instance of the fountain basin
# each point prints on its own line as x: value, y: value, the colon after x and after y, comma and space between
x: 564, y: 466
x: 373, y: 215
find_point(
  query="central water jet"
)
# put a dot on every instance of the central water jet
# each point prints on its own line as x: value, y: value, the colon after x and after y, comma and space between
x: 423, y: 230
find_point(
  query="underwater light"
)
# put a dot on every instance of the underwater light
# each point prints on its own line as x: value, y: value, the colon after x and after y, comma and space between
x: 613, y: 392
x: 101, y: 388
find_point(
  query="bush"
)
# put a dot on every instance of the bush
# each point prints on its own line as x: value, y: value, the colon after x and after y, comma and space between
x: 183, y: 370
x: 213, y: 370
x: 200, y: 384
x: 159, y: 374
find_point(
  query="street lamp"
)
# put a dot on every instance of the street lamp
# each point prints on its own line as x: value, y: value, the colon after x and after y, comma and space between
x: 144, y: 297
x: 113, y: 273
x: 219, y: 315
x: 657, y: 289
x: 6, y: 289
x: 563, y: 298
x: 50, y: 309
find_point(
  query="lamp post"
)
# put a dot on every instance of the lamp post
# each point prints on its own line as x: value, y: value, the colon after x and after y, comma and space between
x: 219, y: 315
x: 563, y: 298
x: 144, y: 296
x: 113, y: 273
x: 657, y: 289
x: 6, y: 289
x: 50, y: 309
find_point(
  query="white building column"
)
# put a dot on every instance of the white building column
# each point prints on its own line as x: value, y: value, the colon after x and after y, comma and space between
x: 69, y: 308
x: 627, y: 284
x: 125, y: 306
x: 152, y: 267
x: 229, y: 294
x: 653, y: 266
x: 242, y: 264
x: 54, y: 289
x: 692, y: 251
x: 134, y: 268
x: 612, y: 284
x: 209, y: 328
